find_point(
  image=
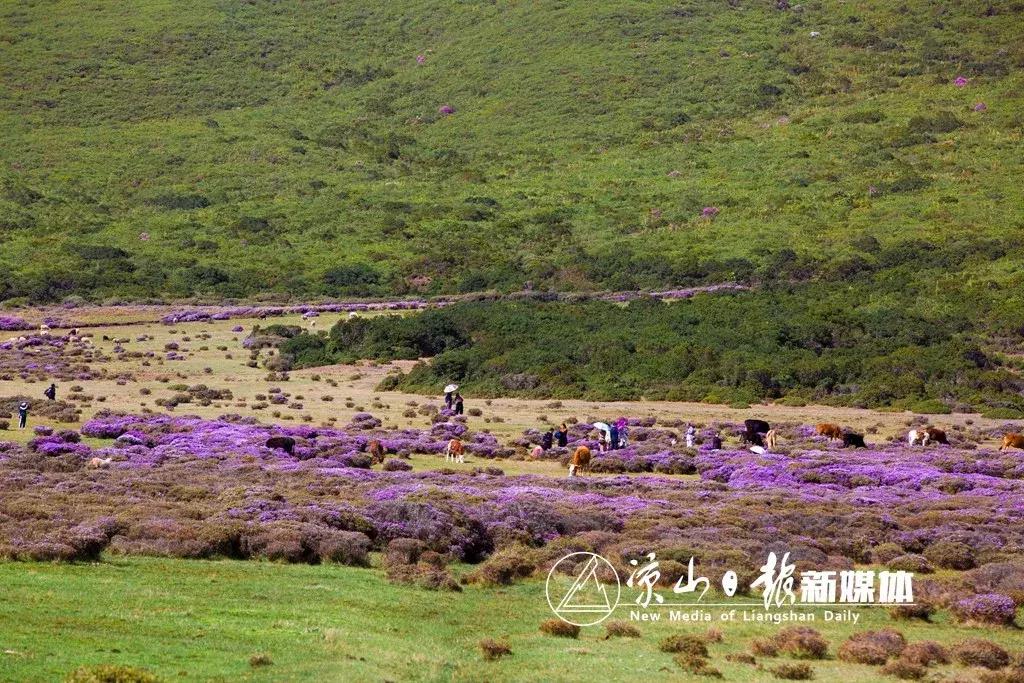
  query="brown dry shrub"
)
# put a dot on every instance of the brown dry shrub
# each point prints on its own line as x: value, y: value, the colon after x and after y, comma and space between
x: 696, y: 665
x: 685, y: 644
x: 872, y: 647
x: 562, y: 629
x: 764, y: 647
x: 793, y: 672
x: 925, y: 653
x: 261, y: 659
x: 504, y: 567
x: 617, y: 628
x: 494, y: 649
x: 980, y: 652
x: 801, y: 642
x: 111, y: 673
x: 901, y: 668
x: 921, y: 610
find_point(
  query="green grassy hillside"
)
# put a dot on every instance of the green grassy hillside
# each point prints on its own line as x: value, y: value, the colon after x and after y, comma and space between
x: 170, y: 148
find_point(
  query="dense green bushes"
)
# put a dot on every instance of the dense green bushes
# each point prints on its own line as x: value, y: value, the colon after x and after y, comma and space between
x: 847, y: 344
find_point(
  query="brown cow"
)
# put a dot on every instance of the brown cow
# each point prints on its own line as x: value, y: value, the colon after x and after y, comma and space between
x: 455, y: 451
x: 376, y: 450
x: 1012, y: 441
x: 936, y: 435
x: 832, y: 431
x: 580, y: 461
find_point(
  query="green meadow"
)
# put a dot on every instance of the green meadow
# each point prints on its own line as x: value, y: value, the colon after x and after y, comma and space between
x: 205, y: 620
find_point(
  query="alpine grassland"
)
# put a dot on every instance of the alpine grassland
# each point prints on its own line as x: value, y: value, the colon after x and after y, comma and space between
x: 165, y: 149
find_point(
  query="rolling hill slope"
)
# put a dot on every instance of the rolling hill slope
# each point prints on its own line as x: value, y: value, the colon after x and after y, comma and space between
x: 342, y: 148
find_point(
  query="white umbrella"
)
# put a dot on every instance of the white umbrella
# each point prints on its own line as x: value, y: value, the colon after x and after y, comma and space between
x: 602, y: 426
x: 757, y: 449
x: 450, y: 388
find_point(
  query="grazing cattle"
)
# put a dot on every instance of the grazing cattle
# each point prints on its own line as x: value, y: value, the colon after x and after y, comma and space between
x: 770, y: 439
x: 753, y: 438
x: 829, y: 429
x: 376, y: 450
x: 856, y: 440
x: 44, y: 329
x: 580, y: 461
x: 936, y: 435
x: 916, y: 436
x: 285, y: 443
x: 455, y: 451
x: 97, y: 463
x: 1012, y: 441
x: 757, y: 426
x: 537, y: 453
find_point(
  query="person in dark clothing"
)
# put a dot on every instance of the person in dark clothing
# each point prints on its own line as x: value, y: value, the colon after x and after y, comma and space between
x: 458, y: 404
x: 51, y: 392
x: 562, y: 436
x: 448, y: 400
x: 23, y: 415
x: 547, y: 440
x: 613, y: 437
x: 716, y: 443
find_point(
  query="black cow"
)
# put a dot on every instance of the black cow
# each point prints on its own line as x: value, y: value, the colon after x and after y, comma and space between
x: 757, y: 426
x: 753, y: 437
x: 855, y: 440
x: 285, y: 443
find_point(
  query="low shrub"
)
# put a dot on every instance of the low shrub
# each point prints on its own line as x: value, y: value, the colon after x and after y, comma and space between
x: 920, y: 610
x: 764, y: 647
x: 793, y: 672
x: 911, y: 563
x: 504, y: 567
x: 951, y: 555
x: 685, y: 644
x: 988, y: 608
x: 980, y: 652
x: 904, y: 670
x: 494, y: 649
x: 618, y: 628
x: 562, y: 629
x: 259, y: 660
x: 925, y: 653
x: 111, y: 673
x: 862, y: 652
x: 696, y: 665
x: 801, y: 642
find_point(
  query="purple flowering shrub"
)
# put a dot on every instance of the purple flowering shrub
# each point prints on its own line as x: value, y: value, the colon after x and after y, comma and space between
x: 988, y: 608
x: 184, y: 486
x: 43, y: 357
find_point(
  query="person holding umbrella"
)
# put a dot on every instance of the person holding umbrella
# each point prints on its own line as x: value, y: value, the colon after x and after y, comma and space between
x: 448, y: 391
x: 23, y: 415
x: 603, y: 435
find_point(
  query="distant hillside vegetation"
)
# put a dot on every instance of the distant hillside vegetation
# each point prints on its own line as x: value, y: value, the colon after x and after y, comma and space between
x: 173, y: 148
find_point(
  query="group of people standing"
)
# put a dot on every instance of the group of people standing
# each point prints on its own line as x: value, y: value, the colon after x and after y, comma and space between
x: 553, y: 436
x: 453, y: 402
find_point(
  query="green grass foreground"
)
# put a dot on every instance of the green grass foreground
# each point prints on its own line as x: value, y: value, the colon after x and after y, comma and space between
x: 202, y: 620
